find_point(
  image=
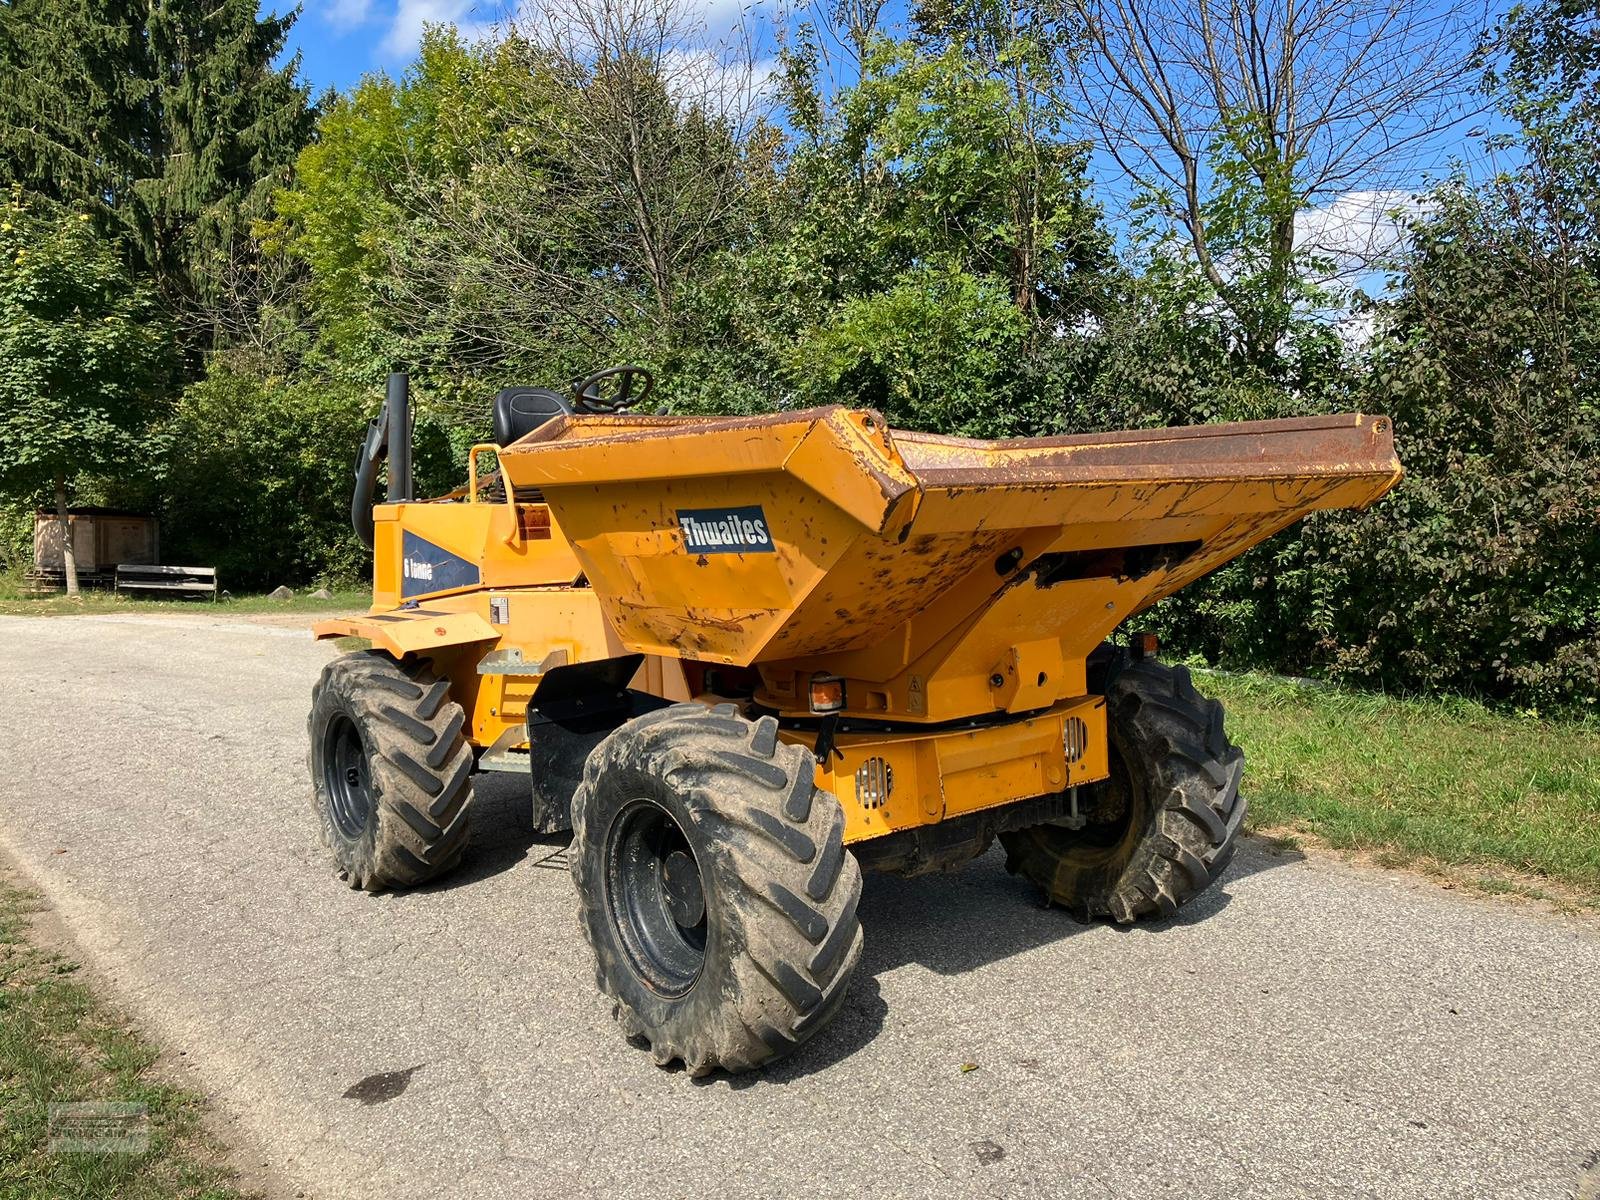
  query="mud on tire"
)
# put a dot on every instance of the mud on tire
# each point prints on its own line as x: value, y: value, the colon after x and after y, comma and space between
x: 714, y: 887
x: 390, y: 769
x: 1169, y: 816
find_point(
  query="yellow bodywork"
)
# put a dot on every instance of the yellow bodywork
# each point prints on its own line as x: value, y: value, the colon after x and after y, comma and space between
x: 956, y: 587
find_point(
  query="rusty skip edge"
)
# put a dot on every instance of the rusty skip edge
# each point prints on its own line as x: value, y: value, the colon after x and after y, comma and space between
x: 1352, y: 447
x: 900, y: 463
x: 1348, y: 460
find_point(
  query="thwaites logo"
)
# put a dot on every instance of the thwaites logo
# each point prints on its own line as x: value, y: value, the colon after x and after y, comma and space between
x: 726, y: 530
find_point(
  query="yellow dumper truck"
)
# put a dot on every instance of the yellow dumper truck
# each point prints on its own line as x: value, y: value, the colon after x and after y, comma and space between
x: 744, y: 658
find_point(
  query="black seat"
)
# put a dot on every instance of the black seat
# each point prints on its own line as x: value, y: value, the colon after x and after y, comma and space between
x: 518, y: 411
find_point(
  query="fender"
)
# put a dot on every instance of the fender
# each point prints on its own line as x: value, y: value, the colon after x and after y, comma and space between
x: 405, y: 631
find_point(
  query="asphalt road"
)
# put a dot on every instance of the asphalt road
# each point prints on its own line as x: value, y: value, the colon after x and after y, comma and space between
x: 1305, y: 1029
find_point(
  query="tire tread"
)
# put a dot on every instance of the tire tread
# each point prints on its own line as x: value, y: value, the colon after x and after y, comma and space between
x: 1194, y: 773
x: 419, y: 763
x: 790, y: 889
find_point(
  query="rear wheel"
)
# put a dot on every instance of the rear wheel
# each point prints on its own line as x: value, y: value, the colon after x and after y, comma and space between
x: 1164, y: 825
x: 714, y: 887
x: 390, y: 770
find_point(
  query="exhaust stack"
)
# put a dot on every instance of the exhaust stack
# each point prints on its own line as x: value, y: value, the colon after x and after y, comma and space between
x: 398, y: 406
x: 388, y: 438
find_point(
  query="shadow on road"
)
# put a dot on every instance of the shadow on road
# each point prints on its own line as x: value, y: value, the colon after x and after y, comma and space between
x: 951, y: 924
x: 503, y: 834
x: 968, y: 919
x: 962, y: 922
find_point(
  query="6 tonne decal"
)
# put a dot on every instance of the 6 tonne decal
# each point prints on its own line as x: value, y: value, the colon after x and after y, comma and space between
x: 725, y: 530
x: 426, y: 568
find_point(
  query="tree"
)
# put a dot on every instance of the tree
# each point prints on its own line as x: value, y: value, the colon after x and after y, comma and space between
x: 1481, y: 573
x: 659, y: 112
x: 1489, y: 360
x: 353, y: 210
x: 595, y: 188
x: 168, y: 123
x: 70, y: 106
x: 1025, y: 47
x: 1543, y: 64
x: 84, y: 356
x: 929, y: 159
x: 931, y: 236
x: 1230, y: 117
x: 525, y: 202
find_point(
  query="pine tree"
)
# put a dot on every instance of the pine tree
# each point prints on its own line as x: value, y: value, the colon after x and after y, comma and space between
x: 70, y: 107
x: 225, y: 129
x: 167, y: 119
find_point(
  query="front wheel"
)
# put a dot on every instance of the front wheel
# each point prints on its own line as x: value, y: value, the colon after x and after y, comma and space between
x: 390, y: 771
x: 714, y: 887
x: 1164, y: 825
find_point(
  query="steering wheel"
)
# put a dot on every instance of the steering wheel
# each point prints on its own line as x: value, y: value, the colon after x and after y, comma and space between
x: 590, y: 397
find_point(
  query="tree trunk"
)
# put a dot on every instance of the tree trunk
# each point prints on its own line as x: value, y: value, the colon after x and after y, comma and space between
x: 69, y: 554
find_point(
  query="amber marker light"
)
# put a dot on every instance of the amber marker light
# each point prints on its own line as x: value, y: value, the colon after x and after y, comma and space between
x: 827, y: 693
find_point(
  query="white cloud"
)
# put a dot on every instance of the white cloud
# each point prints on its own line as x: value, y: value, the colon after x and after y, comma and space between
x: 347, y: 14
x: 727, y: 83
x: 411, y: 17
x: 704, y: 21
x: 1357, y: 230
x: 719, y: 14
x: 720, y: 50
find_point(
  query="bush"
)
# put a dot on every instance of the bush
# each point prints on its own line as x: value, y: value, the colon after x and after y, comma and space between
x: 261, y: 474
x: 937, y: 351
x: 16, y: 534
x: 1481, y: 572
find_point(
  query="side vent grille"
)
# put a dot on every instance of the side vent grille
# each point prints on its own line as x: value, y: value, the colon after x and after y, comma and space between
x: 1075, y: 735
x: 874, y: 782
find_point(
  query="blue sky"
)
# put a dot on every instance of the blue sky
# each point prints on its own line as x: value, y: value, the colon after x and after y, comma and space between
x: 340, y: 40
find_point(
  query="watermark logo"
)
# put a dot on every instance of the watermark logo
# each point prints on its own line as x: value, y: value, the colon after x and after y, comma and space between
x: 1588, y: 1185
x: 98, y: 1127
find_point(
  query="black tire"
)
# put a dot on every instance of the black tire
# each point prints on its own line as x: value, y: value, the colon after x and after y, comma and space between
x: 1165, y: 824
x: 767, y: 963
x: 391, y: 771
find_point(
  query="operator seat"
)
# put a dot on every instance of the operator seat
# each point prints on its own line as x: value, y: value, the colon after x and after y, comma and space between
x: 518, y: 411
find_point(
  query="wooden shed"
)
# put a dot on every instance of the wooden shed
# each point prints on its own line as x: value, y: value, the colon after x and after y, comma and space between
x: 102, y: 538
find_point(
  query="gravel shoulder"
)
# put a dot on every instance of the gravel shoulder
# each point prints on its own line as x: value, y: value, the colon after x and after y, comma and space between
x: 1305, y: 1029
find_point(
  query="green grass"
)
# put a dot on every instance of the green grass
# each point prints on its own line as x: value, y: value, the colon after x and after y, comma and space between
x: 14, y: 603
x: 59, y: 1044
x: 1502, y: 801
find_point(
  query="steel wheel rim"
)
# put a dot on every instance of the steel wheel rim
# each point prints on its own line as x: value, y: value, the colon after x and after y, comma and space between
x: 346, y: 777
x: 655, y: 894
